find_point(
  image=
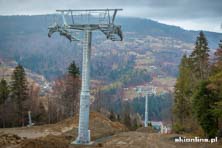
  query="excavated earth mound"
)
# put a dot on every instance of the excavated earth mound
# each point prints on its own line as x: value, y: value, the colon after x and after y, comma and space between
x: 61, y: 134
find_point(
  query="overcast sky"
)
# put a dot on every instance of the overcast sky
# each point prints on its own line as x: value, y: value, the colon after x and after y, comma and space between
x: 188, y: 14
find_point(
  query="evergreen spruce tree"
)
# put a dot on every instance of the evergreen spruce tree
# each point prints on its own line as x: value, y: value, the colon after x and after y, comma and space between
x: 4, y: 93
x: 199, y: 84
x: 200, y: 70
x: 19, y: 92
x: 70, y: 96
x: 200, y: 58
x: 216, y: 87
x: 192, y: 72
x: 207, y: 97
x: 217, y: 65
x: 182, y: 103
x: 204, y: 99
x: 73, y: 69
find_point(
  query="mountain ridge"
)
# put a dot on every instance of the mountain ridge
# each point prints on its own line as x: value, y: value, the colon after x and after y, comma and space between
x: 128, y: 24
x: 24, y: 39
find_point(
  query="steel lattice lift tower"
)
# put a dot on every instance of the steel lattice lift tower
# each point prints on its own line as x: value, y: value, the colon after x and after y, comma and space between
x: 147, y: 93
x: 86, y: 21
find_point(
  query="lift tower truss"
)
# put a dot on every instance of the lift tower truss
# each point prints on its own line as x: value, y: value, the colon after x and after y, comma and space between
x: 147, y: 93
x: 86, y: 21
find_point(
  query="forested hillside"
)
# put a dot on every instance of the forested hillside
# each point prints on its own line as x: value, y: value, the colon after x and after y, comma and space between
x: 24, y: 39
x: 148, y: 56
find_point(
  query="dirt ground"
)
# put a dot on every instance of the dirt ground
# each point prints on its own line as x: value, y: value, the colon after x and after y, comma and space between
x: 152, y: 140
x: 104, y: 133
x: 60, y: 134
x: 121, y: 140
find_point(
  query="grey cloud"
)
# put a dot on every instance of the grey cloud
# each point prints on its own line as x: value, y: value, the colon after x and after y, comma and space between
x: 159, y: 8
x: 182, y: 10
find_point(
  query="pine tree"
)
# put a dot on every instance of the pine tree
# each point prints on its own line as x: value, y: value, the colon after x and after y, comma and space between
x: 198, y: 90
x: 207, y: 98
x: 182, y: 102
x: 70, y: 95
x: 19, y: 92
x: 217, y: 65
x: 73, y: 70
x: 200, y: 58
x: 203, y: 101
x: 4, y: 93
x: 216, y: 87
x: 200, y: 68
